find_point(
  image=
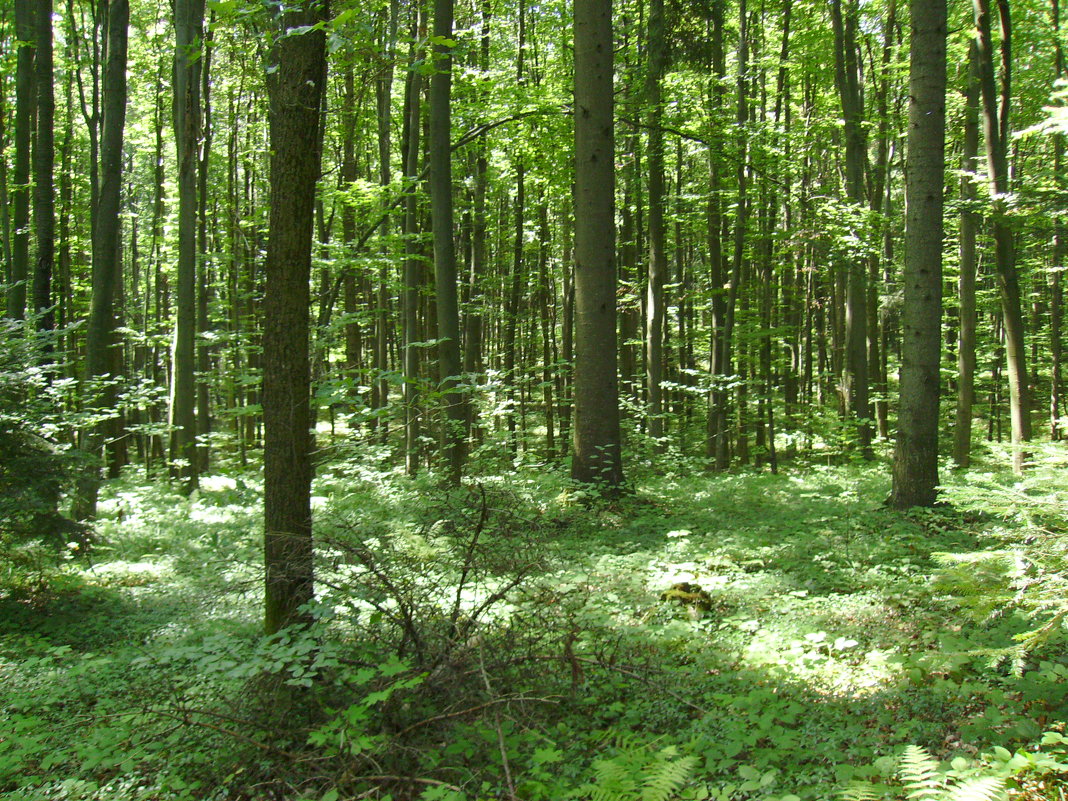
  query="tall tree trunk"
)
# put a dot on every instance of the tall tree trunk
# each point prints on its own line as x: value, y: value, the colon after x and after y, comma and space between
x: 384, y: 108
x: 717, y: 443
x: 654, y: 300
x: 1060, y: 252
x: 44, y: 211
x: 855, y: 364
x: 413, y: 268
x: 188, y: 33
x: 915, y: 471
x: 969, y: 226
x: 596, y: 456
x: 445, y: 274
x: 107, y: 265
x: 20, y: 190
x: 295, y: 85
x: 995, y: 135
x: 203, y: 281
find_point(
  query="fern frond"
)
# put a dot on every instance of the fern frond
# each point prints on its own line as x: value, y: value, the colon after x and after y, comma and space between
x: 986, y: 788
x: 665, y: 776
x: 858, y: 790
x: 919, y: 772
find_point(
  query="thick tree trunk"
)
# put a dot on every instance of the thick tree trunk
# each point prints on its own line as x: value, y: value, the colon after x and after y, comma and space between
x: 596, y: 456
x: 295, y: 86
x: 915, y: 471
x: 107, y: 264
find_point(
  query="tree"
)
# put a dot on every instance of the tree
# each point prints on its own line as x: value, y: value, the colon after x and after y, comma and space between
x: 20, y: 191
x: 915, y: 472
x: 441, y: 211
x: 654, y: 303
x: 596, y: 452
x: 296, y: 74
x: 969, y: 225
x: 995, y: 138
x: 847, y: 77
x: 44, y: 211
x: 107, y: 263
x: 188, y: 37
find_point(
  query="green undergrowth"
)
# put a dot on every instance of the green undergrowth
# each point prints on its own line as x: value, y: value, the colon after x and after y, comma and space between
x: 737, y: 636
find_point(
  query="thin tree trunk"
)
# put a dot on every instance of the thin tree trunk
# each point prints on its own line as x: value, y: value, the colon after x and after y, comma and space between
x: 995, y: 130
x: 20, y: 190
x: 188, y: 30
x: 969, y: 226
x: 445, y: 274
x: 855, y: 364
x: 44, y: 211
x: 654, y: 302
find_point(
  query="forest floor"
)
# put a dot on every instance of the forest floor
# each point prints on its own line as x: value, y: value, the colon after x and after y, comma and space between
x: 735, y: 636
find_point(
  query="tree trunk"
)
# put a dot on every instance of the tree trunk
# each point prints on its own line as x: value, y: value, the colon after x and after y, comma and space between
x: 413, y: 268
x: 20, y: 190
x: 188, y: 33
x: 995, y: 131
x: 107, y: 265
x: 969, y: 226
x: 445, y: 274
x: 915, y: 471
x: 855, y: 364
x: 596, y: 457
x: 1060, y: 252
x: 295, y: 86
x: 654, y: 299
x: 44, y: 211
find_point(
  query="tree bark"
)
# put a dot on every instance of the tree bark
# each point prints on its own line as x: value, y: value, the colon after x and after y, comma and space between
x: 296, y: 76
x: 20, y: 189
x: 445, y: 274
x: 969, y: 227
x: 188, y: 34
x: 656, y: 57
x: 44, y: 211
x: 995, y: 131
x: 855, y: 364
x: 915, y: 471
x: 107, y: 264
x: 596, y: 454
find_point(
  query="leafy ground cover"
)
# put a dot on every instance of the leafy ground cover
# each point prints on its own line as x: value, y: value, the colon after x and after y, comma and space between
x: 729, y: 637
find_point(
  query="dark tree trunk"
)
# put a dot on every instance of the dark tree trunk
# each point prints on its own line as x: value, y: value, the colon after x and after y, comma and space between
x: 654, y: 299
x: 915, y: 471
x: 188, y: 33
x: 20, y: 189
x: 445, y: 274
x: 596, y: 457
x: 295, y: 86
x: 107, y: 265
x: 44, y: 211
x: 969, y: 226
x: 855, y: 363
x: 995, y: 135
